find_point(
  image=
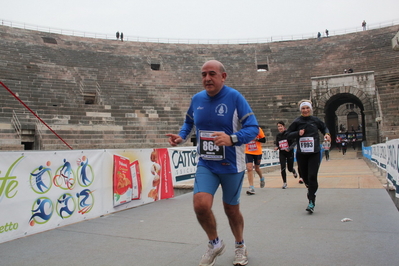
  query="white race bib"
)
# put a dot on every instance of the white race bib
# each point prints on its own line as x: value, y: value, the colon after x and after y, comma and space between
x: 306, y: 144
x: 252, y: 146
x: 283, y: 144
x: 207, y: 148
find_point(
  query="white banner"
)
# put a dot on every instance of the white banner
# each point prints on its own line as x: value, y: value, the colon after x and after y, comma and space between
x: 392, y: 165
x: 379, y: 155
x: 269, y: 158
x: 183, y: 162
x: 42, y: 190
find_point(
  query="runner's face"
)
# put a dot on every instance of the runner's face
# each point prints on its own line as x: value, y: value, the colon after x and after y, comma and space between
x: 305, y: 110
x: 280, y: 128
x: 212, y: 78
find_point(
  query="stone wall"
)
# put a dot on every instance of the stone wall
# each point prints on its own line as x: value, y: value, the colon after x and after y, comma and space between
x: 135, y: 106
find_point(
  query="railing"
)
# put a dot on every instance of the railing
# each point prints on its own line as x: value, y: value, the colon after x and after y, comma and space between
x: 30, y: 110
x: 15, y: 122
x: 98, y: 94
x: 39, y: 132
x: 195, y: 41
x: 81, y: 87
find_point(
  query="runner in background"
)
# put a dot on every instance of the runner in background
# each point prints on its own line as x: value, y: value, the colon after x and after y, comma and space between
x: 326, y: 147
x: 253, y: 156
x: 286, y: 153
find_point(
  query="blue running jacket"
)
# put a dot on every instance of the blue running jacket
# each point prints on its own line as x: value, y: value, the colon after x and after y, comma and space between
x: 228, y: 111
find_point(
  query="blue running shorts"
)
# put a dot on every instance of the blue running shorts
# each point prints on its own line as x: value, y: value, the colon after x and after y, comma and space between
x: 206, y: 181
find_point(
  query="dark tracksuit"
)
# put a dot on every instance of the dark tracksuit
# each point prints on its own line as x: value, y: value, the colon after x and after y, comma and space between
x: 286, y: 157
x: 308, y: 149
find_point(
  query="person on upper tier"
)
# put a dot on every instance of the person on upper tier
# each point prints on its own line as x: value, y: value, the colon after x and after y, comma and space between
x: 253, y: 156
x: 224, y: 122
x: 306, y: 131
x: 286, y: 152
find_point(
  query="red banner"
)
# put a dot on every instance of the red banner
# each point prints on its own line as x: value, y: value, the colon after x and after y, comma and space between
x: 122, y: 180
x: 162, y: 177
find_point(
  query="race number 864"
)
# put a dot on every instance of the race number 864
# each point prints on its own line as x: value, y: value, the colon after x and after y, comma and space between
x: 209, y: 146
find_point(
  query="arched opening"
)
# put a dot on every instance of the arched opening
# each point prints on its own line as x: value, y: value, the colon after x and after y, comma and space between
x: 353, y: 121
x: 344, y: 117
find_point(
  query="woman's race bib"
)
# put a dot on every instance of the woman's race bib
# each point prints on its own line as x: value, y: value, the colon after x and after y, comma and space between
x: 283, y: 144
x: 306, y: 144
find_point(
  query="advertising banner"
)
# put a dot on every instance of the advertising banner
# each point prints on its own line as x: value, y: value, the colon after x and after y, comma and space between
x: 269, y: 158
x: 379, y: 155
x: 43, y: 190
x: 183, y: 163
x: 122, y: 178
x: 392, y: 165
x: 136, y: 180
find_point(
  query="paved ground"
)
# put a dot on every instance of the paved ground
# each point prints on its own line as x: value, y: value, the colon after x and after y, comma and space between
x: 341, y: 171
x: 278, y: 230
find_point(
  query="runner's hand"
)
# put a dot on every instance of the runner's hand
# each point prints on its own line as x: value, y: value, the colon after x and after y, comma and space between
x: 174, y: 139
x: 222, y: 139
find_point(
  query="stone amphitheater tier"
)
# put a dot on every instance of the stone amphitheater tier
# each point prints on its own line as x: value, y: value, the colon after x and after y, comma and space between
x: 135, y: 106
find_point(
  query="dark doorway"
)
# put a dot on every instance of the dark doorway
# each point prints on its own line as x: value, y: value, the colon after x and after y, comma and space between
x: 331, y: 120
x: 28, y: 146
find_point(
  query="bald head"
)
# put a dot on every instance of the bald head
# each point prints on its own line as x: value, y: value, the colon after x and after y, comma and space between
x: 213, y: 77
x: 215, y: 63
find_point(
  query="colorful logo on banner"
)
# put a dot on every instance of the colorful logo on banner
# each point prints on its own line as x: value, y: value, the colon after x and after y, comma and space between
x: 42, y: 181
x: 42, y: 210
x: 184, y: 162
x: 8, y: 182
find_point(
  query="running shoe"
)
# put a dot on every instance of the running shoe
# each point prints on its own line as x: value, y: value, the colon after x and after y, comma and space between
x: 209, y: 258
x: 284, y: 186
x: 241, y: 255
x: 262, y: 182
x: 310, y: 207
x: 251, y: 191
x: 300, y: 181
x: 295, y: 175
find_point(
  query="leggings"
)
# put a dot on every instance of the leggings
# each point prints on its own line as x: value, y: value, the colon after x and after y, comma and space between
x: 286, y: 159
x: 308, y: 164
x: 327, y: 153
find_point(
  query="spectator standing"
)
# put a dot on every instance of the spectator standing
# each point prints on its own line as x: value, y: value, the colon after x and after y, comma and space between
x: 326, y: 32
x: 223, y: 121
x: 364, y: 25
x: 253, y: 156
x: 318, y: 35
x: 117, y: 35
x: 122, y: 36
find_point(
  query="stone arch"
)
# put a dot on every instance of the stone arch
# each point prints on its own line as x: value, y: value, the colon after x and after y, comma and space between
x: 330, y: 92
x: 327, y: 104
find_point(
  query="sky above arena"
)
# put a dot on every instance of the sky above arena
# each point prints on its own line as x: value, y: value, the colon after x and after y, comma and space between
x: 201, y: 20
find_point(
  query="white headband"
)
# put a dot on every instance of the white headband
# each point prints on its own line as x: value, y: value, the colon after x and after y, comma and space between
x: 305, y: 104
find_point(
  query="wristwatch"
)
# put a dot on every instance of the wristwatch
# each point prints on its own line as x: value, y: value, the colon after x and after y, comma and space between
x: 234, y: 139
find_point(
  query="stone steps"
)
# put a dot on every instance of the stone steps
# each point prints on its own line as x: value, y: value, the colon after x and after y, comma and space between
x: 138, y: 99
